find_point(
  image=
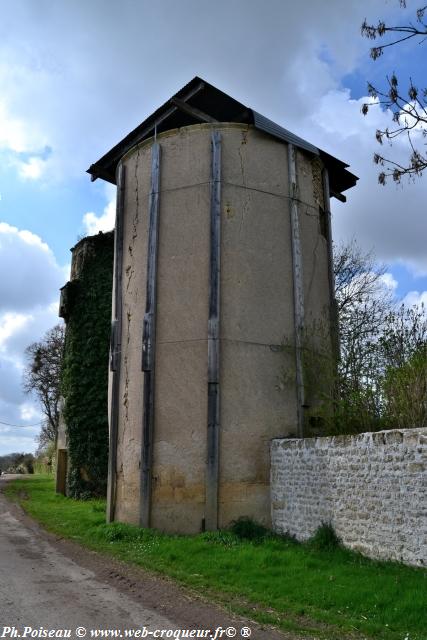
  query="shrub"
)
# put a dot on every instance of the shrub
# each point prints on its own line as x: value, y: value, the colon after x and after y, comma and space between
x: 247, y: 529
x: 325, y: 538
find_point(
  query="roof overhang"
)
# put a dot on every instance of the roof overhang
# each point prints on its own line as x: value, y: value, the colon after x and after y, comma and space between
x: 200, y: 101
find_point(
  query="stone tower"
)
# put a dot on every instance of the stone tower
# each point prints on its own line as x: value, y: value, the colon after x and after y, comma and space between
x: 223, y: 253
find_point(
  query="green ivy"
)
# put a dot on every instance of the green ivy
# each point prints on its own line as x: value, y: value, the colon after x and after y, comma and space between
x: 85, y: 371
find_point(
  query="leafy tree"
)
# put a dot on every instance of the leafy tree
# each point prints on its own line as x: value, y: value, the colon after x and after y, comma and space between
x: 42, y: 376
x: 409, y: 108
x: 403, y: 346
x: 45, y: 458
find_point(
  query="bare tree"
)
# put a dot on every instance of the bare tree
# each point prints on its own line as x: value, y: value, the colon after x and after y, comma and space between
x: 42, y: 376
x: 409, y: 108
x: 380, y: 381
x: 362, y: 296
x: 382, y: 374
x: 364, y: 302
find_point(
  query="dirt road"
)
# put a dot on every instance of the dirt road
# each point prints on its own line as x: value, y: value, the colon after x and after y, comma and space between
x: 53, y: 584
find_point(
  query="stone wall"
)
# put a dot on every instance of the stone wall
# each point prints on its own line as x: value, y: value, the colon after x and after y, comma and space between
x: 372, y: 488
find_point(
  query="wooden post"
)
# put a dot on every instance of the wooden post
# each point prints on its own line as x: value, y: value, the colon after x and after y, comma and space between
x: 298, y: 285
x: 212, y: 471
x: 333, y: 307
x: 149, y: 341
x: 116, y: 345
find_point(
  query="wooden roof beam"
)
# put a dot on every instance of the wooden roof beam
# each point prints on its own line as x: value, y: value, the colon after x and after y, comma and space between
x: 192, y: 111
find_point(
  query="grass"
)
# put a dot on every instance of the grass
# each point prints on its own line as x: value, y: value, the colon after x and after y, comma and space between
x: 317, y: 588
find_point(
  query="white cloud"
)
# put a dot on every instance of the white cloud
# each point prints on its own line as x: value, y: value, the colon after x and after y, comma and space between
x: 27, y: 236
x: 389, y: 282
x: 10, y: 323
x: 21, y: 137
x: 33, y: 168
x: 105, y: 222
x: 390, y: 220
x: 417, y: 298
x: 33, y: 275
x: 30, y: 413
x: 29, y: 295
x: 61, y: 94
x: 12, y: 132
x: 16, y: 441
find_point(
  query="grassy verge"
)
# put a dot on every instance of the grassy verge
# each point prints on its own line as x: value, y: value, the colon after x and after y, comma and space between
x: 331, y: 593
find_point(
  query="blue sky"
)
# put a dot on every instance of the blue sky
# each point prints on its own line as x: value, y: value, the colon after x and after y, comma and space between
x: 77, y: 76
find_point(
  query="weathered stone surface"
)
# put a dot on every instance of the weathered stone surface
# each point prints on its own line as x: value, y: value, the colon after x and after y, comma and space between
x: 370, y: 487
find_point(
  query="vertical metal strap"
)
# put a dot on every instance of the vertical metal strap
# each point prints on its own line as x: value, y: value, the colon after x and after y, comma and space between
x: 298, y: 285
x: 149, y: 340
x: 212, y: 471
x: 115, y: 344
x: 331, y: 276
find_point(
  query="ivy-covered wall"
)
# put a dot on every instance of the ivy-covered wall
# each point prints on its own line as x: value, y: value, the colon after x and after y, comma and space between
x: 86, y: 307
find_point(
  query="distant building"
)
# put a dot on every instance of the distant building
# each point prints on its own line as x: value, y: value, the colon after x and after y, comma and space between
x: 223, y: 254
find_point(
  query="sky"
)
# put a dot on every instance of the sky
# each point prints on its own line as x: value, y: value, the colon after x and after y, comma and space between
x: 77, y: 76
